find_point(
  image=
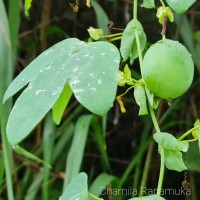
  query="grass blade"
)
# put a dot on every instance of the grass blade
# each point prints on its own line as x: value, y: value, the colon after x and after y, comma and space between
x: 6, y: 77
x: 48, y: 146
x: 98, y: 134
x: 100, y: 183
x: 75, y: 156
x: 102, y: 18
x: 14, y: 21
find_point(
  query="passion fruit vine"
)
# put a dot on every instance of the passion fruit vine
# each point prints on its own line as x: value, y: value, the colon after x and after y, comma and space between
x: 168, y: 69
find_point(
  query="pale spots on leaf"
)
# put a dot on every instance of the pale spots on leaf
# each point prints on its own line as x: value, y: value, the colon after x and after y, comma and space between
x: 78, y: 97
x: 57, y: 91
x: 103, y: 54
x: 48, y: 51
x: 38, y: 92
x: 74, y: 81
x: 77, y: 59
x: 22, y: 79
x: 77, y: 90
x: 86, y: 55
x: 75, y: 69
x: 116, y: 61
x: 93, y: 89
x: 30, y: 86
x: 100, y: 82
x: 103, y: 73
x: 92, y: 57
x: 91, y: 74
x: 113, y: 49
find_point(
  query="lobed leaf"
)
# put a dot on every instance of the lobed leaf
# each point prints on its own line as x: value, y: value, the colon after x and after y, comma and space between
x: 90, y: 69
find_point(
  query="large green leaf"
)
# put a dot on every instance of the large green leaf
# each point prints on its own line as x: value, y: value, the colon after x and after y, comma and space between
x: 77, y: 189
x: 90, y: 69
x: 180, y: 6
x: 128, y: 43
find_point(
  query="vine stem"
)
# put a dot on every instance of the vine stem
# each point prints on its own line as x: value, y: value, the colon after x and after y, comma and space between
x: 161, y: 150
x: 161, y: 1
x: 135, y: 6
x: 155, y: 122
x: 95, y: 197
x: 162, y: 170
x: 188, y: 133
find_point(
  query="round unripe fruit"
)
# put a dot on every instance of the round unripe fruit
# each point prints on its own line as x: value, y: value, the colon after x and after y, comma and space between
x: 168, y: 69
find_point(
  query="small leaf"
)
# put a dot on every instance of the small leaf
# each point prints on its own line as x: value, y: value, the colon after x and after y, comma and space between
x: 27, y: 7
x: 196, y: 132
x: 128, y: 42
x: 149, y: 3
x: 125, y: 77
x: 152, y: 197
x: 183, y: 146
x: 192, y: 157
x: 140, y: 98
x: 95, y: 34
x: 153, y: 100
x: 166, y: 140
x: 163, y: 12
x: 174, y: 160
x: 127, y: 71
x: 197, y: 123
x: 77, y: 188
x: 180, y: 6
x: 60, y: 105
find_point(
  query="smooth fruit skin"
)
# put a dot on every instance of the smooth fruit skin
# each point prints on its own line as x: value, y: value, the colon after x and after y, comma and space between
x: 168, y: 69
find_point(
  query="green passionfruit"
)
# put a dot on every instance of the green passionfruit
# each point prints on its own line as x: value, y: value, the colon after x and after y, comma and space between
x: 168, y: 69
